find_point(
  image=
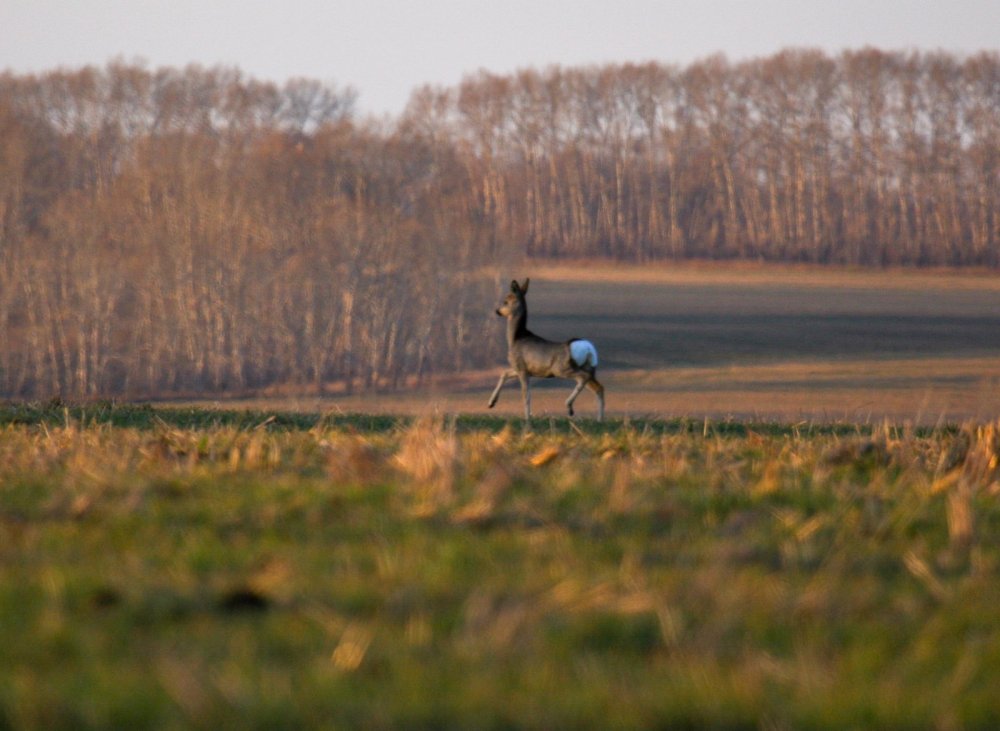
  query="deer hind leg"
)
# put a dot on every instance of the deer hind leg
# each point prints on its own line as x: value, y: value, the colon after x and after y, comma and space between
x: 581, y: 381
x: 594, y: 385
x: 504, y: 377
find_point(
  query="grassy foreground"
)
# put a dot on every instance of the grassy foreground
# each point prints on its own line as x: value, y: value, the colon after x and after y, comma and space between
x: 206, y: 569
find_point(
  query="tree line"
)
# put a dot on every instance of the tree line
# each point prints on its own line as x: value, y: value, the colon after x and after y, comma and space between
x: 867, y: 158
x: 196, y: 231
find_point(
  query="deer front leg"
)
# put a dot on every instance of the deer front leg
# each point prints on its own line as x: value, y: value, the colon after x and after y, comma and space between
x: 580, y: 383
x: 526, y: 394
x: 504, y: 377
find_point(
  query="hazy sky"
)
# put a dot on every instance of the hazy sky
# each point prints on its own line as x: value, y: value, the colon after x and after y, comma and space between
x: 387, y: 48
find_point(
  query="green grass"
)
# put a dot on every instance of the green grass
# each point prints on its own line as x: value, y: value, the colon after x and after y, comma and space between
x: 179, y: 568
x: 147, y: 416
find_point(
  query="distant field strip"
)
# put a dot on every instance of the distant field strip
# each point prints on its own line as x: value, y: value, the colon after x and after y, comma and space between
x: 769, y: 274
x: 749, y: 342
x: 709, y: 318
x: 787, y: 343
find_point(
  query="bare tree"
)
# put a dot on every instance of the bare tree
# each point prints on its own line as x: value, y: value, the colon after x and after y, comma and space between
x: 194, y: 230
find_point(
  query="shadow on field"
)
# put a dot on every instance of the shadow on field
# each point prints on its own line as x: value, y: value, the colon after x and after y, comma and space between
x: 650, y: 326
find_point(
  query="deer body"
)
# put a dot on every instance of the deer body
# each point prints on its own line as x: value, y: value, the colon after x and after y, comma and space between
x: 532, y: 356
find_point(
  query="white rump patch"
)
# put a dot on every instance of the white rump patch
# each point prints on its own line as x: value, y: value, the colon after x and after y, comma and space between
x: 580, y: 349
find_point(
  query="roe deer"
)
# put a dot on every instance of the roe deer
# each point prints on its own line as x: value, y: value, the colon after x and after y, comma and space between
x: 530, y: 355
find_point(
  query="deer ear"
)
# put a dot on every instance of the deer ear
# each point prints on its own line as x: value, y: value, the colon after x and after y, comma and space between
x: 524, y: 287
x: 514, y: 287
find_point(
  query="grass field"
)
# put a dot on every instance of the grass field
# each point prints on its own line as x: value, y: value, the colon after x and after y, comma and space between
x: 190, y: 568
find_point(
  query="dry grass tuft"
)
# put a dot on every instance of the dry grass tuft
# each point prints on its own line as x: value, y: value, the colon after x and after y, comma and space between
x: 545, y: 456
x: 351, y: 458
x: 353, y: 646
x: 428, y: 458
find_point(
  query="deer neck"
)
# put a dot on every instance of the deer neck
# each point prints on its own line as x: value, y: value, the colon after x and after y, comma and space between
x: 517, y: 327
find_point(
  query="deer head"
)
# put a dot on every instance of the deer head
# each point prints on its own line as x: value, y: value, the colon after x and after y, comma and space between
x: 513, y: 304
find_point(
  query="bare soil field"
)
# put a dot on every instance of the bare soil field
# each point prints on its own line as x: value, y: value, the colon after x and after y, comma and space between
x: 749, y: 342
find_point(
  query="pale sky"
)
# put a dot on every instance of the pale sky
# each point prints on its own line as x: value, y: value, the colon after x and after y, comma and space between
x: 385, y: 49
